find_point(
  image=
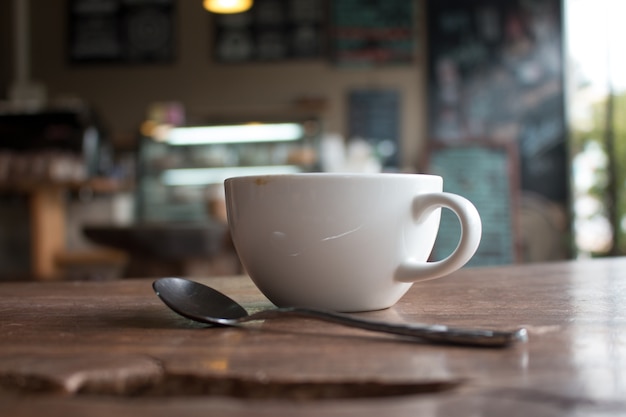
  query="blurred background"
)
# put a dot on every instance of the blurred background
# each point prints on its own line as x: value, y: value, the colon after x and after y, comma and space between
x: 119, y: 120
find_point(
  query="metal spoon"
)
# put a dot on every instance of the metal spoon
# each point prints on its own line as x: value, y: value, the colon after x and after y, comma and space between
x: 203, y: 304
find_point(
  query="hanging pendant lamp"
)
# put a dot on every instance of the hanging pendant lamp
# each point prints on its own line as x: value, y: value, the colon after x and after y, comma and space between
x: 227, y: 6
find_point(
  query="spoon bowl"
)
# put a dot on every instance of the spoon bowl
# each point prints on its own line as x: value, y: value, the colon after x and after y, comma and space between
x: 204, y: 304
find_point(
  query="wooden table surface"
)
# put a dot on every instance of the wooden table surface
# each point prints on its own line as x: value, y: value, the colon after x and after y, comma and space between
x: 113, y: 349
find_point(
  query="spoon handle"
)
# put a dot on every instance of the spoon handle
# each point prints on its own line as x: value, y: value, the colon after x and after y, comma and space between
x: 432, y: 333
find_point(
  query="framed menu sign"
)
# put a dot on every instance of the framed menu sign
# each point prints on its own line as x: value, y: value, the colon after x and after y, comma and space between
x: 375, y: 32
x: 374, y: 115
x: 121, y: 31
x: 271, y: 30
x: 495, y: 70
x: 485, y: 173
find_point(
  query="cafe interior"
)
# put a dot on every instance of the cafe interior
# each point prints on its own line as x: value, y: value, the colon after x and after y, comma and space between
x: 119, y: 121
x: 123, y: 123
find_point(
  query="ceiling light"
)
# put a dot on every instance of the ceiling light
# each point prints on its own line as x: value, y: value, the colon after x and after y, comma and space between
x: 198, y: 135
x: 227, y: 6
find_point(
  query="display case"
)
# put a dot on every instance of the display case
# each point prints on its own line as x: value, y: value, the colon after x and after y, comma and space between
x: 181, y: 170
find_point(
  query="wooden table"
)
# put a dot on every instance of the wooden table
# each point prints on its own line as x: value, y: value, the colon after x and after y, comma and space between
x: 47, y: 218
x: 113, y: 349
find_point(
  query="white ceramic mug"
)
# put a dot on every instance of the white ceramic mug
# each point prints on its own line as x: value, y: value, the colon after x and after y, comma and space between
x: 343, y: 242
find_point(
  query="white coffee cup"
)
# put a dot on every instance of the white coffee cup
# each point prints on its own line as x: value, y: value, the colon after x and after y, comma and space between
x: 344, y: 242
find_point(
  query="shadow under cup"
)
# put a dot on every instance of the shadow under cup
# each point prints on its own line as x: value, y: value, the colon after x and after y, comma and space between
x: 343, y: 242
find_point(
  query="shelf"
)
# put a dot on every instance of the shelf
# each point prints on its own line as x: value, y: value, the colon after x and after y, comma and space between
x: 207, y: 176
x: 188, y: 165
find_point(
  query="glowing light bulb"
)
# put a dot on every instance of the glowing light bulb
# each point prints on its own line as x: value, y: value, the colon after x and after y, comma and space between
x: 227, y: 6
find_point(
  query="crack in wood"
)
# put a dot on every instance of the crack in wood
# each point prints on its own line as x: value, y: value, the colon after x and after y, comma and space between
x: 193, y: 385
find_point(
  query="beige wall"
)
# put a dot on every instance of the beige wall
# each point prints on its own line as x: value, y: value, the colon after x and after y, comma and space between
x: 121, y: 93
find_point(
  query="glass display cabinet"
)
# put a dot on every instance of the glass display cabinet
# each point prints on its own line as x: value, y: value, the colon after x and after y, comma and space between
x: 181, y: 169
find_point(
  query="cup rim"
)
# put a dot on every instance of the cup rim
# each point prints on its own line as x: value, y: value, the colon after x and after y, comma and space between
x: 334, y: 175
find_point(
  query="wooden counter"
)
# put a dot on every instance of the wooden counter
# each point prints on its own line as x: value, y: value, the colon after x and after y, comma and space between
x: 112, y: 348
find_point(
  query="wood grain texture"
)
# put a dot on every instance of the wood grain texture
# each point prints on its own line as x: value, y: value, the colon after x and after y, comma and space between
x: 47, y: 230
x: 102, y: 348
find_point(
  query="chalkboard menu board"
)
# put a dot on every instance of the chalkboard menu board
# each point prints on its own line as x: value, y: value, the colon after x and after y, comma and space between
x: 374, y: 115
x: 495, y: 71
x: 271, y: 30
x: 121, y: 31
x: 373, y: 32
x: 485, y: 174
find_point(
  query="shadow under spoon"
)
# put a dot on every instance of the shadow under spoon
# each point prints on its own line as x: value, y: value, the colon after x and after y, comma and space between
x: 204, y: 304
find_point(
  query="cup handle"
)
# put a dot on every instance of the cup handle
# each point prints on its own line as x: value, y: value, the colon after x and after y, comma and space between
x: 471, y: 231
